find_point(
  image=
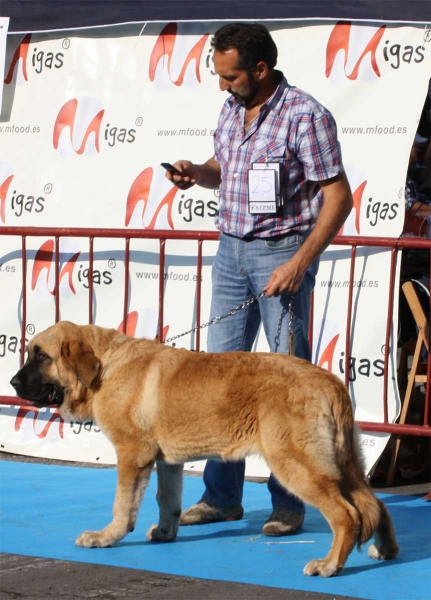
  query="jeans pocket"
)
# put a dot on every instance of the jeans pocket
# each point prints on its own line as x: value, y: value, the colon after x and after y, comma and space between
x: 283, y: 242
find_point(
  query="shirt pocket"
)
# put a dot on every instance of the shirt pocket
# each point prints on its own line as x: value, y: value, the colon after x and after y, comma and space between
x: 222, y: 145
x: 267, y: 150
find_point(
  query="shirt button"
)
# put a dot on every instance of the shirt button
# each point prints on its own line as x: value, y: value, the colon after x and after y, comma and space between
x: 235, y: 174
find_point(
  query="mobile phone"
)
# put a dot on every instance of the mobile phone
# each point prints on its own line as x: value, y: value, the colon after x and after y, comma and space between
x: 172, y: 170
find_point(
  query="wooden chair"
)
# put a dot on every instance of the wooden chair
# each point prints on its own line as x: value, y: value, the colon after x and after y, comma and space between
x: 418, y: 370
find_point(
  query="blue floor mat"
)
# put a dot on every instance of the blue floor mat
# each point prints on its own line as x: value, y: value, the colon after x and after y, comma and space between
x: 45, y: 507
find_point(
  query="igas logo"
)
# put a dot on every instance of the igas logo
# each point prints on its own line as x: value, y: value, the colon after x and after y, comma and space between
x: 144, y: 207
x: 41, y: 60
x: 149, y: 206
x: 176, y: 56
x: 77, y: 127
x: 326, y: 357
x: 376, y: 211
x: 18, y: 65
x: 43, y: 278
x: 42, y: 423
x: 43, y: 273
x: 47, y: 425
x: 6, y: 176
x: 20, y: 203
x: 327, y: 335
x: 354, y: 52
x: 351, y: 51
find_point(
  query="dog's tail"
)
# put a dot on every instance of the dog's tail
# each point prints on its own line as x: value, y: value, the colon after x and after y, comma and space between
x: 370, y: 509
x: 375, y: 520
x: 353, y: 483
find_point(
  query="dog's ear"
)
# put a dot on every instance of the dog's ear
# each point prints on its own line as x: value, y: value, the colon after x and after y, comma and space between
x: 81, y: 358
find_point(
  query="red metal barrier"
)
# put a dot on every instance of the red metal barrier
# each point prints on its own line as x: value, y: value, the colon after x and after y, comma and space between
x: 201, y: 236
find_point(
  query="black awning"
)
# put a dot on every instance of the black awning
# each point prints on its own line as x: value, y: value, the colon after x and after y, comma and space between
x: 49, y: 15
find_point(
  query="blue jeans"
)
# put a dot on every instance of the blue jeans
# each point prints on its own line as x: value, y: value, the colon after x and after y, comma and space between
x: 241, y: 269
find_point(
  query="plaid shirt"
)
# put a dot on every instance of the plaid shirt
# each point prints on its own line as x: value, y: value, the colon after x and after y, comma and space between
x: 293, y: 129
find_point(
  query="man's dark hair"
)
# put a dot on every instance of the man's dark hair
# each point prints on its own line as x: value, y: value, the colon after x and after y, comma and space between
x: 252, y: 41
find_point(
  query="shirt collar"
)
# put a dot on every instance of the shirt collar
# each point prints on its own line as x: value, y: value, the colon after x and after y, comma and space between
x: 272, y: 102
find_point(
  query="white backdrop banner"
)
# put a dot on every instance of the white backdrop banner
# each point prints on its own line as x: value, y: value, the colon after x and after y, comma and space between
x: 86, y: 121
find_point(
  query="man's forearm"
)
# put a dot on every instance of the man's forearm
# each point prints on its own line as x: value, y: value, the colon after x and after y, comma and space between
x: 336, y: 207
x: 335, y: 210
x: 209, y: 174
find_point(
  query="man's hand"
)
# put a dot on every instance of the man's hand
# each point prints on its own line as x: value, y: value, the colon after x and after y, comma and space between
x: 285, y: 279
x: 337, y: 204
x: 206, y: 175
x: 188, y: 177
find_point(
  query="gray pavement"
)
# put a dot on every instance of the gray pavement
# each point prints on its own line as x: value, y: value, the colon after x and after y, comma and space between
x: 28, y: 578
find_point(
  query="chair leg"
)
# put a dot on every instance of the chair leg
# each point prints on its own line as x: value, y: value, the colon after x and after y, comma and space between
x: 404, y: 410
x: 393, y: 464
x: 406, y: 351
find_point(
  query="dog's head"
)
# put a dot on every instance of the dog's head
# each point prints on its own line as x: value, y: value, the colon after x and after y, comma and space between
x: 61, y: 365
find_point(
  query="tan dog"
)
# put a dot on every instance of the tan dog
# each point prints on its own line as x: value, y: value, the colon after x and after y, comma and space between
x: 167, y: 406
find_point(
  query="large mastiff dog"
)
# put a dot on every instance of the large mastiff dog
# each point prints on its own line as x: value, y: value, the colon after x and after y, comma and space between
x: 164, y: 406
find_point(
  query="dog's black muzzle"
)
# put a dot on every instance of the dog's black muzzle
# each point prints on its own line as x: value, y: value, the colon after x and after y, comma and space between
x: 32, y: 387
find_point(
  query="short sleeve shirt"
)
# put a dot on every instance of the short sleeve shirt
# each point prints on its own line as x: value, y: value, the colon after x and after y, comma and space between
x: 292, y: 129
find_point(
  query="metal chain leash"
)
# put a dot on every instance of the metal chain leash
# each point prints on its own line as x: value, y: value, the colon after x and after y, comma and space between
x: 291, y: 315
x: 215, y: 320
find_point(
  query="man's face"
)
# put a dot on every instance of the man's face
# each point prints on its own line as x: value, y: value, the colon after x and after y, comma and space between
x: 243, y: 85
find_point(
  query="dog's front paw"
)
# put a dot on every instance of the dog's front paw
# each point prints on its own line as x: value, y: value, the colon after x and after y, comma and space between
x: 321, y: 567
x: 92, y: 539
x: 159, y: 534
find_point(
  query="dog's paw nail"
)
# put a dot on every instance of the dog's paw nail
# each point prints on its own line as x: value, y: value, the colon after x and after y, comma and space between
x: 89, y: 539
x: 152, y: 534
x: 160, y: 534
x: 82, y: 540
x: 309, y: 569
x: 374, y: 553
x: 321, y: 567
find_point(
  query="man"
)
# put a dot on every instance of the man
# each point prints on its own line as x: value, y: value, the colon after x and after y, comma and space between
x: 265, y: 120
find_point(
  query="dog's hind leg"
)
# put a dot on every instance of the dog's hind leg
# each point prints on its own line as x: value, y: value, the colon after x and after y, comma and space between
x: 131, y: 484
x: 322, y: 492
x: 169, y: 491
x: 385, y: 544
x: 344, y: 521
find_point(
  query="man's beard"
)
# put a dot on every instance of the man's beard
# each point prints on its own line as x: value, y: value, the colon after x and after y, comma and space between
x: 254, y: 88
